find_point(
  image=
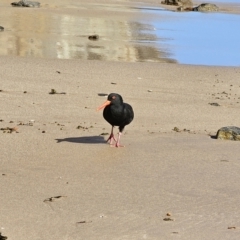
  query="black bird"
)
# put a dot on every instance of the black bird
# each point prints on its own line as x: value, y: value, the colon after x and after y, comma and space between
x: 117, y: 113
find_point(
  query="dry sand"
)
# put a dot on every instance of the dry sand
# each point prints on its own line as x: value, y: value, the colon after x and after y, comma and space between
x: 60, y: 180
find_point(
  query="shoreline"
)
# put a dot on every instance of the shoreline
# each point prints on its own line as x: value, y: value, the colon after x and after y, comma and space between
x: 135, y: 35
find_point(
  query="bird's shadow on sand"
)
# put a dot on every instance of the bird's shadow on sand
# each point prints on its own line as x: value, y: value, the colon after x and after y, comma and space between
x: 87, y: 139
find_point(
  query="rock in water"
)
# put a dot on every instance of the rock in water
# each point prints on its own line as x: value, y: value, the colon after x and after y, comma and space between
x: 206, y: 7
x: 24, y: 3
x: 229, y: 133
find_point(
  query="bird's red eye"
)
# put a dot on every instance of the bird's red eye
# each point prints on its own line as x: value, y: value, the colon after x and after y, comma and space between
x: 113, y: 97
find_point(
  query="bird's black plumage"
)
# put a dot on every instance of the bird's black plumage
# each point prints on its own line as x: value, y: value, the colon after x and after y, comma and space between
x: 117, y: 113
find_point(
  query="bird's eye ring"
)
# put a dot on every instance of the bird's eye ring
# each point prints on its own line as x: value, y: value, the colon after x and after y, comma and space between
x: 113, y: 97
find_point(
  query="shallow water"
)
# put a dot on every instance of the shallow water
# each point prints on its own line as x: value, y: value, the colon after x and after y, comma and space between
x: 178, y: 37
x: 201, y: 38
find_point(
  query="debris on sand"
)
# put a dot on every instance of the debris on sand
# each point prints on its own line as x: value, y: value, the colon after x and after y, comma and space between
x: 9, y: 129
x: 53, y: 91
x: 93, y: 37
x: 2, y: 237
x: 53, y: 199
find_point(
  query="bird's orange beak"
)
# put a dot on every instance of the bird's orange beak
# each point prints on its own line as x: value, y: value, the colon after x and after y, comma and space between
x: 104, y: 105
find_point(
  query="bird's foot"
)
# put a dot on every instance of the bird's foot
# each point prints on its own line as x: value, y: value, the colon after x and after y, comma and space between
x: 118, y: 145
x: 111, y: 137
x: 118, y: 141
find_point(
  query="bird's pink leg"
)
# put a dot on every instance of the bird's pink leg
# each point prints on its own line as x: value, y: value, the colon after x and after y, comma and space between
x: 118, y: 140
x: 111, y: 137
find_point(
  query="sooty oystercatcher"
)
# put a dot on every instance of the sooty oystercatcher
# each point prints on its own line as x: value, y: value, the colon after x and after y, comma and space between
x: 117, y: 113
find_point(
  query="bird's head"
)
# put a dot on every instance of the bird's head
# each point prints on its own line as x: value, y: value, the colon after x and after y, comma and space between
x: 113, y: 98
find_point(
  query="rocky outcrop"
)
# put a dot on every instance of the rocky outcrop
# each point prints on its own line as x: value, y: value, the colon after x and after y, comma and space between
x: 171, y: 2
x: 24, y: 3
x: 206, y: 7
x: 229, y: 133
x: 184, y: 3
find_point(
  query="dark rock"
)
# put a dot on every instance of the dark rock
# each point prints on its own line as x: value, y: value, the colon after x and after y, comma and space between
x: 24, y: 3
x: 176, y: 129
x: 2, y: 237
x: 171, y: 2
x: 206, y: 7
x: 1, y: 28
x: 231, y: 227
x: 185, y: 3
x: 102, y: 94
x: 214, y: 104
x: 53, y: 91
x: 93, y: 37
x: 229, y: 133
x: 168, y: 219
x: 9, y: 129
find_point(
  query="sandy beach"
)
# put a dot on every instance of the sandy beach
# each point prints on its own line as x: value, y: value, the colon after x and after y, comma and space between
x: 59, y: 179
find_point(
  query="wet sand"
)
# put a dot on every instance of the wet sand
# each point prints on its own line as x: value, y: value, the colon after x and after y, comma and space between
x: 61, y: 30
x: 108, y: 193
x: 60, y: 180
x: 129, y: 31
